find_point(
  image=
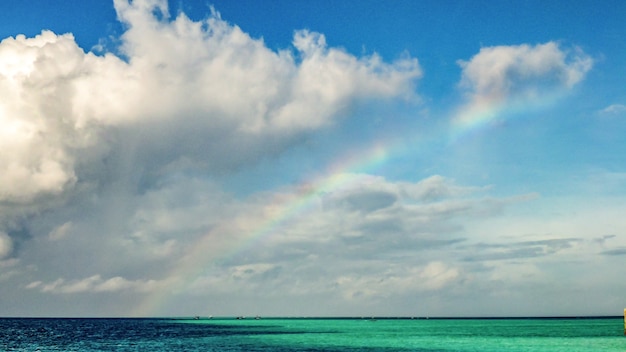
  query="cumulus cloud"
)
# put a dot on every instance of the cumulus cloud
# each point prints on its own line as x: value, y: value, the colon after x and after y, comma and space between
x: 215, y: 73
x: 91, y: 159
x: 75, y: 122
x: 520, y: 74
x: 502, y: 71
x: 37, y: 132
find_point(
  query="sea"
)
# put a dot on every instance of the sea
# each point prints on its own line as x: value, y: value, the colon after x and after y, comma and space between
x: 312, y: 334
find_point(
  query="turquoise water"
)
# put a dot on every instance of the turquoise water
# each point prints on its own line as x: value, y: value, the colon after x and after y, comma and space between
x: 228, y: 334
x: 439, y: 335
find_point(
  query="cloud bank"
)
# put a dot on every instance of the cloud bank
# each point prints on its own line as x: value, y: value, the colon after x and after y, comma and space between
x: 106, y: 160
x: 74, y: 120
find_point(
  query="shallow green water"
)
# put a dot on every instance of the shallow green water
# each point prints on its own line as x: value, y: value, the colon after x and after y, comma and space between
x: 434, y: 334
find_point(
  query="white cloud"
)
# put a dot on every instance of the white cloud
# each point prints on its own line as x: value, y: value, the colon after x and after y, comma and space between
x: 36, y: 115
x: 34, y: 285
x: 614, y: 109
x: 60, y: 232
x: 437, y: 274
x: 438, y: 187
x: 521, y: 74
x: 6, y: 245
x: 219, y: 76
x: 78, y: 123
x: 498, y: 72
x: 398, y: 281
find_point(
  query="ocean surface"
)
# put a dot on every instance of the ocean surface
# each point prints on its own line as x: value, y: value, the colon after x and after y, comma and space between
x: 346, y: 334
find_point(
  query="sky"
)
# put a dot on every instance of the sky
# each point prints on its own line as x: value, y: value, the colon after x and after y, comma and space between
x: 312, y: 158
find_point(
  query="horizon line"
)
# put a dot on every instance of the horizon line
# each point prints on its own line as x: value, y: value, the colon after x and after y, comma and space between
x: 328, y: 317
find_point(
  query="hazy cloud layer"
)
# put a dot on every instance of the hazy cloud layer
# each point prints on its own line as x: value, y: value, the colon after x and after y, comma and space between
x: 366, y: 242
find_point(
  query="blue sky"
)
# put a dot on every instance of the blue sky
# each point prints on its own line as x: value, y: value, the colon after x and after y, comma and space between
x: 312, y: 158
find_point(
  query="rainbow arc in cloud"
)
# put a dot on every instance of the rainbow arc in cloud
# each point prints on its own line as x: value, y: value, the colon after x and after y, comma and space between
x: 481, y: 113
x: 341, y: 174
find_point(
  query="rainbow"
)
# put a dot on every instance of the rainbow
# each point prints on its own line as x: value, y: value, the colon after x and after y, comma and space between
x: 339, y: 175
x: 481, y: 113
x: 255, y: 228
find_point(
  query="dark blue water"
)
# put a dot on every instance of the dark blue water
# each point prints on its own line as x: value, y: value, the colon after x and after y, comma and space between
x: 120, y: 335
x: 387, y: 335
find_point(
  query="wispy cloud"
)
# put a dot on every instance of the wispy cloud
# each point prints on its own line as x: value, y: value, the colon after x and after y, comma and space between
x: 614, y: 109
x: 617, y: 251
x: 94, y: 284
x: 518, y: 250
